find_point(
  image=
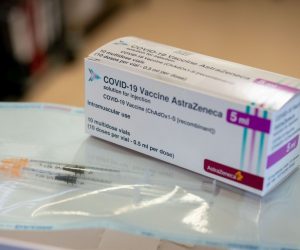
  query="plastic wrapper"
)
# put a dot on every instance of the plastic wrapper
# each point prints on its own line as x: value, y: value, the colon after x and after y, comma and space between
x: 130, y: 192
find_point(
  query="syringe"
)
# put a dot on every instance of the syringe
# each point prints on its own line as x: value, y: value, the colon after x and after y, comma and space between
x: 14, y: 165
x: 83, y: 175
x: 32, y: 170
x: 40, y: 172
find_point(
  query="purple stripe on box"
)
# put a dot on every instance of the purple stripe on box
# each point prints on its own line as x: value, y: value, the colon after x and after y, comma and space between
x: 276, y: 85
x: 283, y: 151
x: 248, y: 121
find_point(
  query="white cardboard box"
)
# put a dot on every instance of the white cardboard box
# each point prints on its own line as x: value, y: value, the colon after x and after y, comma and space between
x: 231, y: 122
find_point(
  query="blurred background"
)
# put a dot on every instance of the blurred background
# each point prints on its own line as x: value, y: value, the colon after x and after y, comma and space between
x: 43, y: 42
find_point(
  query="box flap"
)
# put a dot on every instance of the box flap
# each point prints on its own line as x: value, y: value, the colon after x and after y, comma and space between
x: 212, y: 76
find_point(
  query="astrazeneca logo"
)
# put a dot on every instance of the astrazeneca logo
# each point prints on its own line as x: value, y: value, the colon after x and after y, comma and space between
x: 239, y: 176
x: 93, y: 75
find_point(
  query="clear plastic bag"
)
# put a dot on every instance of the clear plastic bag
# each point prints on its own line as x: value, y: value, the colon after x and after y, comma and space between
x: 134, y: 193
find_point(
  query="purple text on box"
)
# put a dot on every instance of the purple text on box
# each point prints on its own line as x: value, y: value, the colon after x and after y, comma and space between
x: 276, y: 85
x: 248, y: 121
x: 283, y: 151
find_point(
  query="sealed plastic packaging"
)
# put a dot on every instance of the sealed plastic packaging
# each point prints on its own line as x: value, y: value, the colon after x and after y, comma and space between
x: 54, y: 176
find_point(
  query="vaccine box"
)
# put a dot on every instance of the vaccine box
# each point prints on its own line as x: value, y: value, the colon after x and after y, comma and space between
x: 234, y: 123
